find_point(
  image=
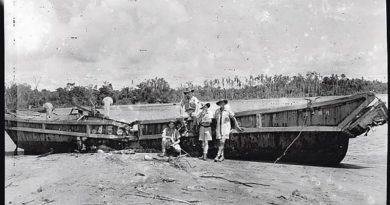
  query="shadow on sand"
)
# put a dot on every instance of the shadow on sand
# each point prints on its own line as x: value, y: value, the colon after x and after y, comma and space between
x: 12, y: 153
x: 350, y: 166
x: 339, y: 166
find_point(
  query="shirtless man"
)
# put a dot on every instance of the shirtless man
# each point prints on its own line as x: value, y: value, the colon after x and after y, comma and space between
x: 107, y: 102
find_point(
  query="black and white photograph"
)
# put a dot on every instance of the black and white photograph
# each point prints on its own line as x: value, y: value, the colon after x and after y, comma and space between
x: 274, y: 102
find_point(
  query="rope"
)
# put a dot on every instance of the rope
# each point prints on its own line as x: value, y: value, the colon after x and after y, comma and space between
x: 295, y: 139
x: 186, y: 152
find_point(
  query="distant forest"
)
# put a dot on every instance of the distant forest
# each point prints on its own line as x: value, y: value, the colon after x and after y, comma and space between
x: 157, y: 90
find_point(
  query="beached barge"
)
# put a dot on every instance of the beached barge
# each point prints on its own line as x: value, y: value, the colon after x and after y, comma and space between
x: 321, y: 131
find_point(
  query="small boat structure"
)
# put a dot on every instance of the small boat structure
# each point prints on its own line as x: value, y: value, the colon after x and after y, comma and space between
x: 317, y: 132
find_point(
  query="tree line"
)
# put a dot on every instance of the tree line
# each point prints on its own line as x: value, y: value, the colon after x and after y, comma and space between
x: 158, y: 90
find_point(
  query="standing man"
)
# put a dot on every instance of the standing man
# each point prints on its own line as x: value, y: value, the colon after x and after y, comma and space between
x: 107, y: 102
x: 223, y: 116
x: 204, y: 122
x: 48, y: 109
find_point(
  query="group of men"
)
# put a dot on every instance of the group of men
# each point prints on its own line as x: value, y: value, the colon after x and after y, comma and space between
x: 191, y: 106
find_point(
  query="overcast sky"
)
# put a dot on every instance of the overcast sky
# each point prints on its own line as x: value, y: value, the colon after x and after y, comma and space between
x: 120, y: 41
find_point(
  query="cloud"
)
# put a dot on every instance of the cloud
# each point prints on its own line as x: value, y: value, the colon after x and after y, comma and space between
x: 130, y: 40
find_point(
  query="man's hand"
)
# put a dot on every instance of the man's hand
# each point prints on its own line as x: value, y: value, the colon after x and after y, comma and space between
x: 240, y: 129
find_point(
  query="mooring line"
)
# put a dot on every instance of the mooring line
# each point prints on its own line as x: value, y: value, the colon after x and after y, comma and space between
x: 295, y: 139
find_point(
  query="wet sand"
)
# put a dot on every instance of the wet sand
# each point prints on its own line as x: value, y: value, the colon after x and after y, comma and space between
x: 105, y: 178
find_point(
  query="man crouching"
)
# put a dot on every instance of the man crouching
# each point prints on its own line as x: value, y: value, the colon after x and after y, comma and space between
x: 170, y: 140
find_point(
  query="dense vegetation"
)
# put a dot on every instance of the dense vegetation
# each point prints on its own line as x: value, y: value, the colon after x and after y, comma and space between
x: 157, y: 90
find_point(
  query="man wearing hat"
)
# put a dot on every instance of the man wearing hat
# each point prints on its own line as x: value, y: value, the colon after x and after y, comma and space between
x: 170, y: 139
x: 204, y: 122
x: 189, y: 103
x: 223, y: 116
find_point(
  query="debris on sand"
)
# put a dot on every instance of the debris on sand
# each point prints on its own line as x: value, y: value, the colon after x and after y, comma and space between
x: 148, y: 158
x: 168, y: 180
x: 10, y: 184
x: 105, y: 148
x: 281, y: 197
x: 173, y: 161
x: 101, y: 187
x: 296, y: 193
x: 117, y: 159
x: 46, y: 154
x: 130, y: 151
x: 163, y: 198
x: 24, y: 203
x: 194, y: 188
x: 248, y: 184
x: 47, y: 201
x: 139, y: 174
x: 100, y: 151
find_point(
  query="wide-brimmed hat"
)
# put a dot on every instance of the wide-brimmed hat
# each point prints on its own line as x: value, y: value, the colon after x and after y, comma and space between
x: 172, y: 121
x: 222, y: 100
x: 188, y: 90
x: 205, y: 105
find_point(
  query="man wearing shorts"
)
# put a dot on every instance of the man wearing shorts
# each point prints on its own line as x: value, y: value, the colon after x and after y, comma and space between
x: 223, y: 116
x: 170, y: 139
x: 204, y: 122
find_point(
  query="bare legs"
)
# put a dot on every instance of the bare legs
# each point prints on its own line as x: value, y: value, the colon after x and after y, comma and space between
x: 163, y: 146
x: 220, y: 155
x: 205, y: 146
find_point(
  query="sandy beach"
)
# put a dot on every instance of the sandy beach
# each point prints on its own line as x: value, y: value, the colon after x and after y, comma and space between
x: 105, y: 178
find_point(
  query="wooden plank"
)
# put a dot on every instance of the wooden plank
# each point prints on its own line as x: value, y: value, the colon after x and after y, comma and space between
x: 348, y: 119
x: 142, y: 122
x: 158, y: 136
x: 150, y: 137
x: 69, y: 122
x: 88, y: 131
x: 34, y: 130
x: 365, y: 119
x: 74, y: 134
x: 291, y: 129
x: 279, y: 109
x: 258, y: 120
x: 264, y: 130
x: 314, y: 105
